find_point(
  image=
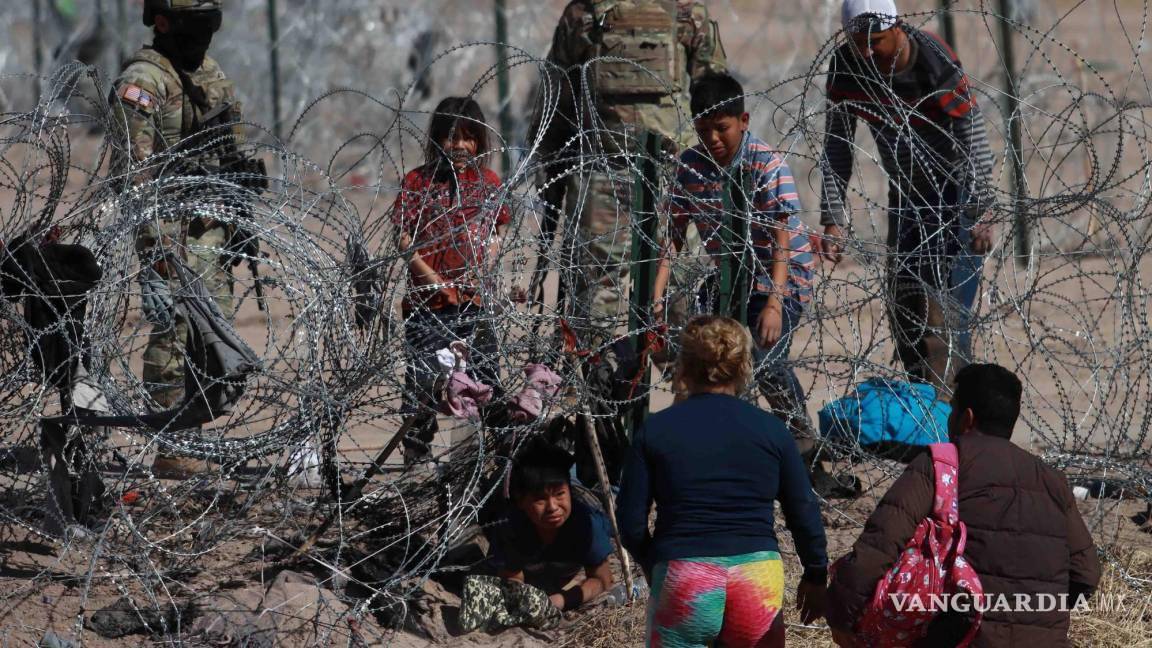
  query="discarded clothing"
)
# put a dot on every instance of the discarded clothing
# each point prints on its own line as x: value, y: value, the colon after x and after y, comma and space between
x: 528, y: 404
x: 887, y: 411
x: 217, y: 365
x: 463, y: 397
x: 52, y: 281
x: 436, y: 344
x: 493, y: 603
x: 124, y: 618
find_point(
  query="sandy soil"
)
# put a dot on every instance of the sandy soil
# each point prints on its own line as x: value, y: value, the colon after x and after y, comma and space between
x: 1073, y: 344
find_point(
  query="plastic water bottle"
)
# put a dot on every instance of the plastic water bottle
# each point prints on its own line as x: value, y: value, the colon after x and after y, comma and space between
x: 616, y: 595
x: 640, y: 589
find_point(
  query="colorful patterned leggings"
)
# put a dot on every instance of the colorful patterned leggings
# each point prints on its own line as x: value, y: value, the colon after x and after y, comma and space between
x: 730, y: 602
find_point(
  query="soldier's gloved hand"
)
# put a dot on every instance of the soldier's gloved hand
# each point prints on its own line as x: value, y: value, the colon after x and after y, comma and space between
x: 185, y: 166
x: 242, y: 246
x: 156, y: 298
x: 248, y: 172
x: 258, y: 175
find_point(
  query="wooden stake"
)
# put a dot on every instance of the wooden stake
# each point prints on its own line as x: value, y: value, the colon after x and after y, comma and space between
x: 609, y: 505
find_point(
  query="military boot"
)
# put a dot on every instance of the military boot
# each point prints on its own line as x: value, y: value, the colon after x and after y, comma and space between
x: 167, y: 466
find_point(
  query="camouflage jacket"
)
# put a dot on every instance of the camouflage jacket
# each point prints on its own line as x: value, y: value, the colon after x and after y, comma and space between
x: 149, y: 104
x: 586, y: 32
x: 153, y: 113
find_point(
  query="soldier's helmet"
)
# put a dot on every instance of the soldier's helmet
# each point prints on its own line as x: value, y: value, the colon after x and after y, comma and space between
x: 178, y: 7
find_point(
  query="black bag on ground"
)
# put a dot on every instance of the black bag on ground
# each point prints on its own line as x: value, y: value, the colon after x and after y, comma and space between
x: 51, y: 282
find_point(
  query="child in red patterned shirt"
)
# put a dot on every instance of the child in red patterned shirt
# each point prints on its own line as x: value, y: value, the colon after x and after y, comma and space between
x: 450, y: 215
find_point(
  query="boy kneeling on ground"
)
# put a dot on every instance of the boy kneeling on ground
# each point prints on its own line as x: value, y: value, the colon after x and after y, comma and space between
x: 548, y: 538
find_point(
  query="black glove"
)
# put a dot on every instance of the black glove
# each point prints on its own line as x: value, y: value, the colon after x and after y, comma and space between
x: 250, y: 173
x: 242, y: 246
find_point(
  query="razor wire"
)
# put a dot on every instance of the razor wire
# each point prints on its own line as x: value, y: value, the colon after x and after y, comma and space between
x: 282, y: 483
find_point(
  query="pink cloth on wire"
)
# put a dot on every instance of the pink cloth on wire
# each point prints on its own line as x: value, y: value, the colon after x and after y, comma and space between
x: 528, y: 403
x: 463, y: 396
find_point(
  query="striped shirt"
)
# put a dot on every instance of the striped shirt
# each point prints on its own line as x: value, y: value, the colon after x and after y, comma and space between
x: 773, y: 203
x: 928, y: 129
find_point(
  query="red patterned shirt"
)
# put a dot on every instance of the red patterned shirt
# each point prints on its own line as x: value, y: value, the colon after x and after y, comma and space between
x: 451, y: 230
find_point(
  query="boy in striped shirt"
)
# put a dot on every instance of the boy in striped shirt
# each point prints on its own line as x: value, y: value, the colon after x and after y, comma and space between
x: 764, y: 228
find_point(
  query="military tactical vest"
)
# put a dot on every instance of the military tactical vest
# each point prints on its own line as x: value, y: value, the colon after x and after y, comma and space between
x: 641, y: 39
x: 197, y: 93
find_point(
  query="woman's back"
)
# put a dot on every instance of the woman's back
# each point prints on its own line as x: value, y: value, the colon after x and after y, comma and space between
x: 716, y: 466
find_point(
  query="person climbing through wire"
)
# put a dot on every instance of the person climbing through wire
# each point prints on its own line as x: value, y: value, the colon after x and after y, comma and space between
x: 742, y: 198
x: 450, y: 219
x: 909, y: 87
x: 549, y: 538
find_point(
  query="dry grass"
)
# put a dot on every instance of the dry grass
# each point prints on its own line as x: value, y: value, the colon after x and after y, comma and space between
x: 1128, y: 625
x: 607, y: 628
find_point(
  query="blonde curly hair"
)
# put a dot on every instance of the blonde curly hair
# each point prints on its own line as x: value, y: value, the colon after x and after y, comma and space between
x: 714, y: 352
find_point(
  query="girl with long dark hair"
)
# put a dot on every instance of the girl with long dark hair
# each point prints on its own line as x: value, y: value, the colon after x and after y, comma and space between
x: 449, y: 216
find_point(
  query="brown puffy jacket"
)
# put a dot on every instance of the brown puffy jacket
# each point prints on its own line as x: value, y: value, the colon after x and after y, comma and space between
x: 1025, y: 536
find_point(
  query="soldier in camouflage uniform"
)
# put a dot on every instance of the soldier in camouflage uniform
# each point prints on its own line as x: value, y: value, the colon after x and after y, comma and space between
x: 656, y: 48
x: 159, y: 101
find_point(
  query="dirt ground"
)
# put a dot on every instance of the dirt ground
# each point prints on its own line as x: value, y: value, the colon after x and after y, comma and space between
x: 1091, y: 407
x: 65, y: 593
x: 51, y: 585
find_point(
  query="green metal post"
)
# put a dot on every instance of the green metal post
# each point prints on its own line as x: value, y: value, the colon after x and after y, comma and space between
x: 735, y: 277
x: 502, y: 86
x: 645, y: 254
x: 1015, y: 137
x: 947, y: 23
x: 37, y: 48
x: 274, y: 63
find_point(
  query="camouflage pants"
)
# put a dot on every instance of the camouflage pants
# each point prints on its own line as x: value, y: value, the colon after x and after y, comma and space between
x: 599, y: 205
x: 493, y: 603
x: 164, y: 353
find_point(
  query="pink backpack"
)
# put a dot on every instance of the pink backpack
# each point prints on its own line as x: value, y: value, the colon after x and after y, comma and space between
x: 932, y: 563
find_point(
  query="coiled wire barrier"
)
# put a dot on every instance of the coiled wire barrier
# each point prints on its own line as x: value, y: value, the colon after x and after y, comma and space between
x: 303, y: 466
